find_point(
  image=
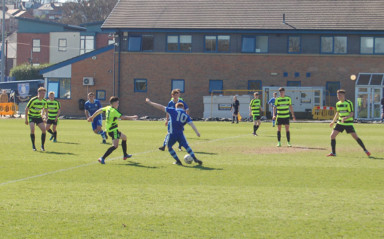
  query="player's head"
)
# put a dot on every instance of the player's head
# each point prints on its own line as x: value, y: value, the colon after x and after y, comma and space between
x: 41, y: 92
x: 274, y: 94
x: 341, y: 94
x: 51, y: 95
x: 179, y: 105
x: 235, y: 97
x: 175, y: 93
x: 282, y: 91
x: 114, y: 101
x: 91, y: 95
x: 256, y: 94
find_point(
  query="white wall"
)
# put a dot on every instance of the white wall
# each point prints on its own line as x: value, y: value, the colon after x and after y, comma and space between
x: 72, y: 49
x: 219, y: 105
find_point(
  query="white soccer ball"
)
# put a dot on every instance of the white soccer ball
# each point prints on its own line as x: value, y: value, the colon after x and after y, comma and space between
x: 188, y: 159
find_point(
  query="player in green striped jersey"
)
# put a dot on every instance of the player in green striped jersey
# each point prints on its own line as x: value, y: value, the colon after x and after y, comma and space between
x: 36, y: 108
x: 344, y: 117
x: 53, y: 109
x: 255, y: 111
x: 283, y: 105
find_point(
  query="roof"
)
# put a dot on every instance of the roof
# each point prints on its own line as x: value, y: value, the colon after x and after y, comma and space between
x: 77, y: 59
x: 26, y: 23
x: 247, y: 14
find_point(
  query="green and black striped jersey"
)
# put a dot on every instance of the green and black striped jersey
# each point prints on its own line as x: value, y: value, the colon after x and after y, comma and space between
x: 255, y: 105
x: 282, y: 105
x: 53, y: 107
x: 344, y: 108
x: 36, y: 106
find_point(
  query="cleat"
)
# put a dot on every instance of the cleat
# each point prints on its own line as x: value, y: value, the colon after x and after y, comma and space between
x: 42, y: 148
x: 331, y: 155
x: 254, y: 134
x: 106, y: 136
x: 367, y: 153
x: 198, y: 162
x: 162, y: 148
x: 178, y: 163
x: 289, y: 144
x: 278, y: 144
x: 180, y: 149
x: 104, y: 141
x: 33, y: 148
x: 101, y: 160
x: 127, y: 156
x: 51, y: 137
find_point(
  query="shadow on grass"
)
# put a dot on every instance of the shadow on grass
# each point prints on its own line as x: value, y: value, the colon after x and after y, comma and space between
x: 202, y: 167
x: 205, y: 153
x: 375, y: 158
x: 62, y: 142
x: 301, y: 147
x: 58, y: 153
x: 136, y: 164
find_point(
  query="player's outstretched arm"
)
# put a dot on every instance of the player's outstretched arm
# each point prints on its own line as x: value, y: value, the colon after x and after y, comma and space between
x: 156, y: 105
x: 194, y: 128
x: 126, y: 117
x: 99, y: 111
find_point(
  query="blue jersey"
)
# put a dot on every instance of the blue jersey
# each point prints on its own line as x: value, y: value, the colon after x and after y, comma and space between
x: 272, y: 101
x: 178, y: 118
x: 172, y: 104
x: 92, y: 108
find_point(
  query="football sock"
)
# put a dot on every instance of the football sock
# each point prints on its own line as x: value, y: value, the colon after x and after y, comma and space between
x: 124, y: 146
x: 33, y: 140
x: 165, y: 140
x: 55, y: 135
x: 237, y: 119
x: 361, y: 144
x: 43, y: 139
x: 288, y: 136
x: 233, y: 119
x: 189, y: 150
x: 173, y: 154
x: 333, y: 144
x: 273, y: 122
x: 109, y: 151
x: 257, y: 127
x: 278, y: 136
x: 50, y: 131
x: 254, y: 129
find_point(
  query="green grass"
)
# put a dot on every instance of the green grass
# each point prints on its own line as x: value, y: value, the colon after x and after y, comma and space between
x: 247, y: 187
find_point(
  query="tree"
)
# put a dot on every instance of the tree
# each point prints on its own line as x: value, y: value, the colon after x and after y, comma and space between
x: 85, y: 11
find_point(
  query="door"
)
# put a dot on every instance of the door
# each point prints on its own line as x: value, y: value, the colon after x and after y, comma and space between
x: 367, y: 105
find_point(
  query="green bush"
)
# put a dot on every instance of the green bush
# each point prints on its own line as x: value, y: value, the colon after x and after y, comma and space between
x: 27, y: 72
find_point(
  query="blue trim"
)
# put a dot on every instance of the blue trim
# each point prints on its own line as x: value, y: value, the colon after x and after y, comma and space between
x: 297, y: 74
x: 294, y: 52
x: 374, y: 46
x: 294, y: 83
x: 181, y: 90
x: 285, y: 74
x: 327, y: 87
x: 308, y: 74
x: 76, y: 59
x: 140, y: 79
x: 101, y: 91
x: 254, y: 44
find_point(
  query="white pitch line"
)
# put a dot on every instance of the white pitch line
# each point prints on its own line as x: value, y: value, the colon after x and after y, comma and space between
x: 92, y: 163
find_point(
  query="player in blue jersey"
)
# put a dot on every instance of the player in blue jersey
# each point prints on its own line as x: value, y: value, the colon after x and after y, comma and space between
x: 90, y: 107
x: 177, y: 119
x: 172, y: 104
x: 271, y: 102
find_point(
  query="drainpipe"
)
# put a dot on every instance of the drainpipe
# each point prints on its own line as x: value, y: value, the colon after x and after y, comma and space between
x: 119, y: 64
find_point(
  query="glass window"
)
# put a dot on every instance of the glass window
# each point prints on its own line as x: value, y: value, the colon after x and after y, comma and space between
x: 261, y: 44
x: 254, y: 85
x: 36, y: 45
x: 366, y: 45
x: 294, y: 44
x: 134, y: 43
x: 332, y: 87
x: 379, y: 45
x: 61, y: 87
x: 179, y: 43
x: 172, y: 43
x: 223, y: 43
x: 87, y: 44
x: 140, y: 43
x: 185, y: 43
x: 258, y: 44
x: 340, y: 45
x: 210, y: 43
x: 326, y: 44
x: 178, y: 84
x: 140, y: 85
x: 334, y: 45
x: 294, y: 83
x: 147, y: 43
x: 215, y: 86
x: 248, y: 44
x: 62, y: 44
x: 101, y: 94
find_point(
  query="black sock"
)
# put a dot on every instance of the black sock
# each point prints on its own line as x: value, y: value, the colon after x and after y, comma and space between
x: 55, y: 135
x: 333, y: 144
x: 237, y: 119
x: 233, y: 119
x: 50, y: 131
x: 33, y: 140
x: 124, y: 146
x: 361, y: 144
x: 257, y: 127
x: 288, y: 136
x: 43, y: 139
x: 254, y: 129
x: 109, y: 151
x: 278, y: 136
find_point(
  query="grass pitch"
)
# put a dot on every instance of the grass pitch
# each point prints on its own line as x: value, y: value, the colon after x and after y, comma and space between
x: 247, y: 187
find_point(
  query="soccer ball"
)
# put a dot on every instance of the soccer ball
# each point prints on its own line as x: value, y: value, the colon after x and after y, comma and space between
x: 188, y: 159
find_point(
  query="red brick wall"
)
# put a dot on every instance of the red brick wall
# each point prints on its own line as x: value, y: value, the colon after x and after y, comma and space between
x: 102, y: 40
x: 24, y: 48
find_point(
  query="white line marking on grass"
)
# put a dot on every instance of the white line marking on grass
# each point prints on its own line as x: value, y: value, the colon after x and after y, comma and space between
x: 92, y: 163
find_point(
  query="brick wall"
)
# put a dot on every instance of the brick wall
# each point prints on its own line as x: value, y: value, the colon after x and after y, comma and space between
x: 24, y: 48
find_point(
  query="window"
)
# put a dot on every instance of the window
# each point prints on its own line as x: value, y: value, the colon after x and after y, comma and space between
x: 332, y: 87
x: 87, y: 44
x: 294, y: 44
x: 217, y: 43
x: 62, y: 44
x: 297, y: 74
x: 285, y: 74
x: 252, y: 44
x: 140, y: 43
x: 254, y: 85
x: 372, y: 45
x: 101, y: 94
x: 215, y: 86
x: 294, y: 83
x: 140, y: 85
x: 334, y: 45
x: 61, y: 87
x: 36, y: 45
x: 181, y: 43
x: 178, y: 84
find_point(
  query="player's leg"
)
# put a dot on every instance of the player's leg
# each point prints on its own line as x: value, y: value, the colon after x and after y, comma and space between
x: 333, y: 142
x: 359, y: 141
x: 115, y: 145
x: 32, y: 135
x: 54, y: 129
x: 288, y: 135
x: 258, y: 122
x: 165, y: 142
x: 278, y: 133
x: 41, y: 125
x: 48, y: 129
x: 254, y: 124
x: 123, y: 138
x: 171, y: 141
x: 183, y: 141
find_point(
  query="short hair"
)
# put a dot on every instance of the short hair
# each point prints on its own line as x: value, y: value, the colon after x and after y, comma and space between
x: 256, y: 93
x: 113, y: 99
x: 175, y: 91
x: 41, y: 89
x: 281, y: 89
x: 341, y: 91
x: 179, y: 105
x: 51, y: 93
x: 91, y: 93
